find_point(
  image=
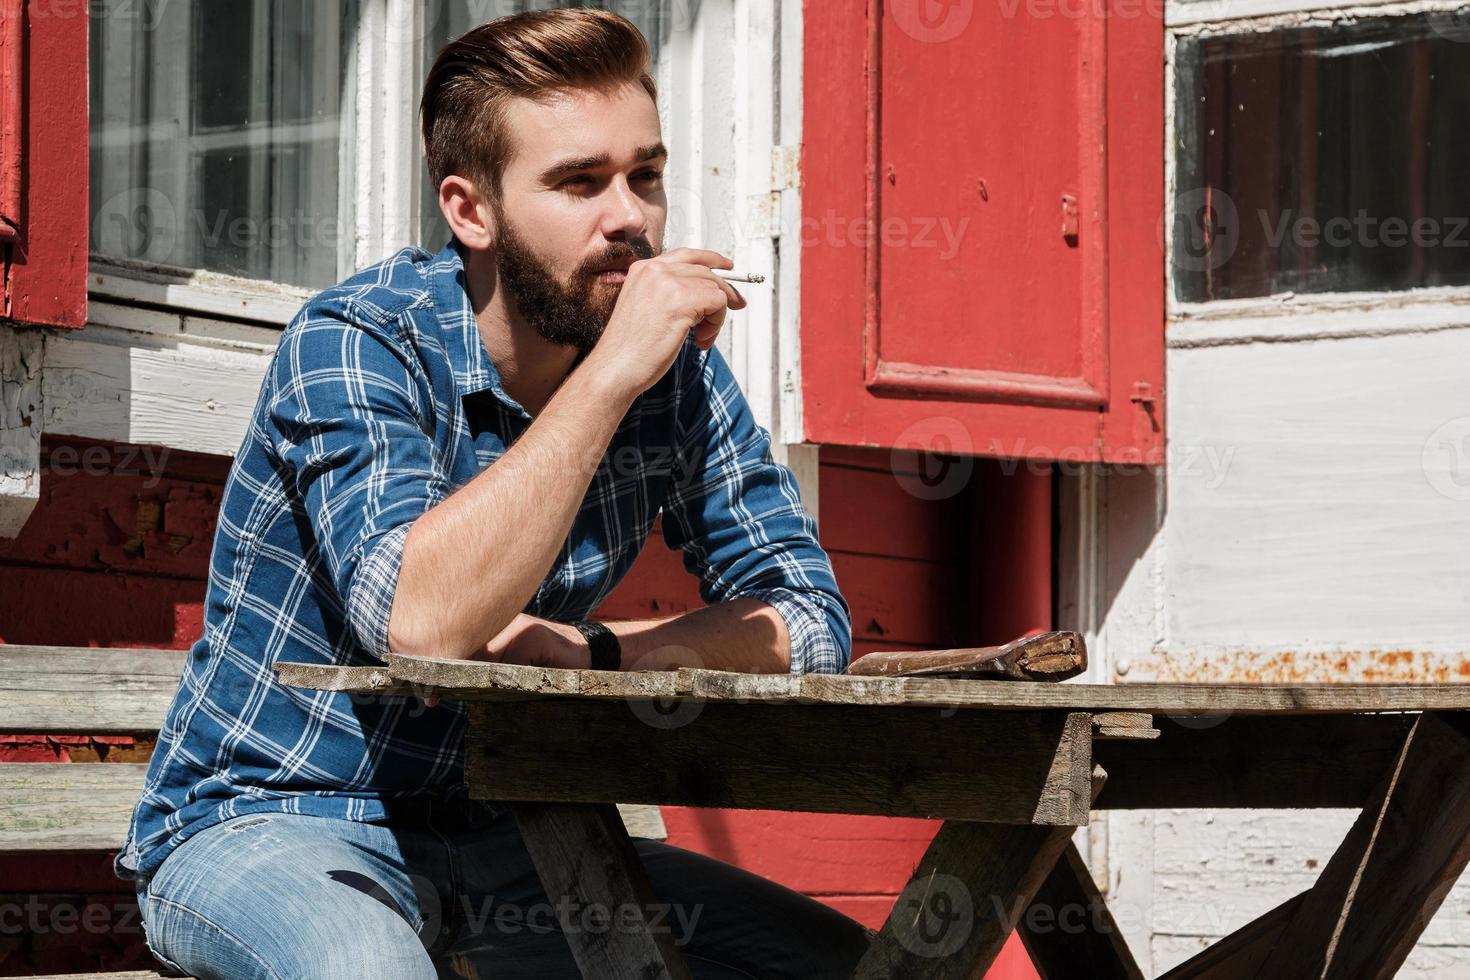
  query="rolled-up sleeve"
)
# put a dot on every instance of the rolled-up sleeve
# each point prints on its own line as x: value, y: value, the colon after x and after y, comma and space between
x: 350, y: 419
x: 736, y: 514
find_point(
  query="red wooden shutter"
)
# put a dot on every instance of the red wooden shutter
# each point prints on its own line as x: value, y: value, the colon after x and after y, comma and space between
x: 43, y: 162
x: 982, y: 190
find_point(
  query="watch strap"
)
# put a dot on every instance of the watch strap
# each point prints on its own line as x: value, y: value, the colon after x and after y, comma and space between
x: 607, y: 653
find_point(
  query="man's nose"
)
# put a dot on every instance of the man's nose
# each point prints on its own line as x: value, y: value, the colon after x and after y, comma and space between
x: 624, y: 215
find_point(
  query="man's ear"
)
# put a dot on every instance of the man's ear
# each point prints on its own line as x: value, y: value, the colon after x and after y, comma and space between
x: 467, y: 213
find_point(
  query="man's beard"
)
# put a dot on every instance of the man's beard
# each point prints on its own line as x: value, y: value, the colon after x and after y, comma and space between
x: 575, y: 314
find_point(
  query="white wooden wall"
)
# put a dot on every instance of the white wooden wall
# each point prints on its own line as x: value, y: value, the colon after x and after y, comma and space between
x: 1311, y: 524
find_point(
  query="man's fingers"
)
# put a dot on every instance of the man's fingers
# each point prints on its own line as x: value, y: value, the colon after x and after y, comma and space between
x: 705, y: 334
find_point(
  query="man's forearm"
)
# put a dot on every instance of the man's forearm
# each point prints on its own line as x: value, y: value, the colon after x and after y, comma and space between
x: 745, y: 635
x: 472, y: 562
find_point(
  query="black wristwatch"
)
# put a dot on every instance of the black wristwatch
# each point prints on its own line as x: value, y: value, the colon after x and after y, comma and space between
x: 607, y: 653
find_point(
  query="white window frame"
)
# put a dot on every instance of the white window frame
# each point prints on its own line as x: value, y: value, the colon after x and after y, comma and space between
x: 1286, y: 316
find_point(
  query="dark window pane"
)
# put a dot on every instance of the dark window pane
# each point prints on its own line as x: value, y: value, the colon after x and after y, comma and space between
x: 1323, y: 159
x: 217, y: 134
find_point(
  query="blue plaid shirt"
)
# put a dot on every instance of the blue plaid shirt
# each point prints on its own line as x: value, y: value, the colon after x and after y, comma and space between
x: 379, y: 401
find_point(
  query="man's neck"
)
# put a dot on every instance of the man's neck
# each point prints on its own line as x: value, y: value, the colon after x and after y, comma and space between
x: 530, y: 367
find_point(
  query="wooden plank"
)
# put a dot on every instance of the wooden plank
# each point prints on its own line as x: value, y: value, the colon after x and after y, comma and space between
x: 964, y: 899
x: 130, y: 975
x: 1393, y: 870
x: 1124, y: 724
x: 1052, y: 656
x: 591, y: 873
x: 1314, y: 761
x: 80, y: 806
x: 67, y: 806
x: 1014, y: 769
x: 471, y: 680
x: 1069, y: 931
x: 97, y: 690
x: 1241, y: 953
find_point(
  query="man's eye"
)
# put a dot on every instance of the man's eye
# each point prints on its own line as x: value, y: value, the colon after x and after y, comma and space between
x: 651, y: 175
x: 580, y: 181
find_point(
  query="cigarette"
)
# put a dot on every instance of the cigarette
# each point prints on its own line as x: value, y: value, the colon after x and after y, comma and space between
x: 740, y: 276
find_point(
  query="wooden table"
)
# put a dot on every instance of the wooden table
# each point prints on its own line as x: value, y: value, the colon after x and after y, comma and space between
x: 1011, y: 767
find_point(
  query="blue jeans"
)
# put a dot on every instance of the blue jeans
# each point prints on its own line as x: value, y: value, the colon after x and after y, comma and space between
x: 283, y: 896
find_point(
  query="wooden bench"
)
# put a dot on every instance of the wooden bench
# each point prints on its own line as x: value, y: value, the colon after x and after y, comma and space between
x: 70, y: 807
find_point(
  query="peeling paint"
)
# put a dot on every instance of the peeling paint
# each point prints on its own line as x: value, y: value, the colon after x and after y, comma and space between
x: 1332, y: 666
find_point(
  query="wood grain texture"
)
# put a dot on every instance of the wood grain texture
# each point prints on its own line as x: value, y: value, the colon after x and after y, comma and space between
x: 1124, y: 724
x: 100, y: 690
x: 1012, y: 768
x: 585, y: 861
x: 1069, y: 931
x: 484, y: 681
x: 1391, y: 873
x: 1314, y: 761
x: 86, y: 806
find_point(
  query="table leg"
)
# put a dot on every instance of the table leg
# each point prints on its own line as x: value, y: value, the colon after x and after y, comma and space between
x: 1394, y: 868
x: 968, y: 893
x: 970, y: 889
x: 595, y: 880
x: 1241, y: 953
x: 1382, y: 885
x: 1069, y: 931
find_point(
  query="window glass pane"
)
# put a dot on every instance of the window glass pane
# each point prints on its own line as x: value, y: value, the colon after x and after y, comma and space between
x: 217, y: 134
x: 1324, y: 159
x: 455, y: 17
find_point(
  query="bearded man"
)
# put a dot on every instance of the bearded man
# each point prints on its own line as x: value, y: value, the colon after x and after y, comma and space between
x: 459, y: 455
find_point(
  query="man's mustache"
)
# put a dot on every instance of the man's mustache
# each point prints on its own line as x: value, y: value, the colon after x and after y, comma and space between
x: 632, y: 249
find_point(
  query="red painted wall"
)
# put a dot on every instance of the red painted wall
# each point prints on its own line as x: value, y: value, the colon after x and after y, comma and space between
x: 117, y: 551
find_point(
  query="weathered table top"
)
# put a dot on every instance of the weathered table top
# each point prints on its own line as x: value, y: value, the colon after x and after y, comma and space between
x: 470, y: 680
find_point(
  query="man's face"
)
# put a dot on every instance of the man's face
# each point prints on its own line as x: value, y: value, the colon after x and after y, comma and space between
x: 581, y: 195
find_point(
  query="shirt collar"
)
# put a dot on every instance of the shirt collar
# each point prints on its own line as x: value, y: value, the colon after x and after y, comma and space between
x: 474, y: 369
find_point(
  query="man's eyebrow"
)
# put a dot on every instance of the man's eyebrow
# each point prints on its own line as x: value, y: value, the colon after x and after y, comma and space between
x: 556, y: 171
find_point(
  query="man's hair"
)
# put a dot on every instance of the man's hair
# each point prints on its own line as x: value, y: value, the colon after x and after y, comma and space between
x: 528, y: 55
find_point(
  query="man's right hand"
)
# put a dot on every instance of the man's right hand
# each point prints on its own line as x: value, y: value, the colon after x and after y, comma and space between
x: 661, y: 300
